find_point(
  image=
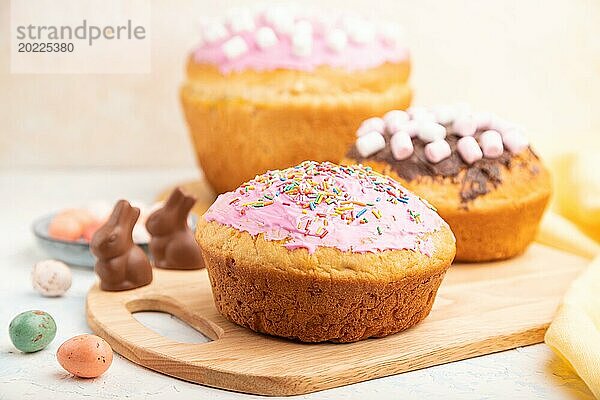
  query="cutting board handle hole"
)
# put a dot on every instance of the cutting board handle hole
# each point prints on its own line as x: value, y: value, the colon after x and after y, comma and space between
x: 169, y: 316
x: 170, y: 326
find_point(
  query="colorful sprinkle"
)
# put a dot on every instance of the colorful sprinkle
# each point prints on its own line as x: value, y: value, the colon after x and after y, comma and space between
x: 321, y: 200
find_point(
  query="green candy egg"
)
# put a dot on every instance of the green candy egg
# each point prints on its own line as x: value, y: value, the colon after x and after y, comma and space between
x: 32, y: 331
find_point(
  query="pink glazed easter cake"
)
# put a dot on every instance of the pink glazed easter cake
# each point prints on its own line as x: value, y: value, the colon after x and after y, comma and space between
x: 322, y: 252
x: 262, y: 84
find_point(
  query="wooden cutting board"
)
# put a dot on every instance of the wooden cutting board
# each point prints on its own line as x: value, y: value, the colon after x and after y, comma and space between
x: 480, y: 309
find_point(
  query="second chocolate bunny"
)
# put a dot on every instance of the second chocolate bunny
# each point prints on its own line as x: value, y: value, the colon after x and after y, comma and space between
x: 172, y: 244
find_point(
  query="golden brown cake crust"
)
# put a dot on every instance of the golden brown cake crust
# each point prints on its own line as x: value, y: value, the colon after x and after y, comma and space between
x: 243, y: 124
x: 494, y: 226
x: 325, y: 296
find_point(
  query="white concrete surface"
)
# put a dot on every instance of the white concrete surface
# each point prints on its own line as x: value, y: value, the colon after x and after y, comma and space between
x: 526, y: 373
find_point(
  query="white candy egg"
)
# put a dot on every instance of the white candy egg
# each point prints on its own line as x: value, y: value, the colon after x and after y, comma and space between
x: 51, y: 278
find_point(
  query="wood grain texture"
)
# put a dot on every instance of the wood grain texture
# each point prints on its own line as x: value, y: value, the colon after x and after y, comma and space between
x: 480, y: 309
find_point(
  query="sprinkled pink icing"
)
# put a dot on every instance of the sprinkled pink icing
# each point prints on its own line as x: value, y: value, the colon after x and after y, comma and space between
x: 280, y: 56
x: 324, y: 204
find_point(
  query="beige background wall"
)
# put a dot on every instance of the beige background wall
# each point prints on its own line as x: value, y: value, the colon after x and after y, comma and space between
x: 536, y: 62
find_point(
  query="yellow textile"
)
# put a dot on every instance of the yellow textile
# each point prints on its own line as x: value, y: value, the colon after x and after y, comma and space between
x: 574, y: 334
x: 577, y: 190
x: 558, y: 232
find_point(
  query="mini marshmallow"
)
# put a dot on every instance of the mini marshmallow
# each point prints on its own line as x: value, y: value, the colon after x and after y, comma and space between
x: 241, y: 21
x: 444, y: 114
x: 234, y: 47
x: 214, y: 31
x: 371, y: 124
x: 303, y: 27
x: 391, y: 33
x: 395, y: 119
x: 483, y: 120
x: 351, y: 20
x: 464, y: 125
x: 500, y: 125
x: 265, y: 37
x: 280, y: 19
x: 491, y: 144
x: 361, y: 32
x: 421, y: 114
x: 337, y: 40
x: 322, y: 17
x: 469, y: 149
x: 437, y: 151
x: 515, y: 141
x: 302, y: 44
x: 370, y: 143
x: 411, y: 127
x: 431, y: 131
x: 401, y: 146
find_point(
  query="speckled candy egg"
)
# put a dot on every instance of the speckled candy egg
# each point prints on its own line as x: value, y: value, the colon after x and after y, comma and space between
x: 51, y: 278
x: 85, y: 356
x: 31, y: 331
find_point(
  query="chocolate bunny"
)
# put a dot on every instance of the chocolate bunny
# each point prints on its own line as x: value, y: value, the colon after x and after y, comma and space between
x: 172, y: 244
x: 121, y: 264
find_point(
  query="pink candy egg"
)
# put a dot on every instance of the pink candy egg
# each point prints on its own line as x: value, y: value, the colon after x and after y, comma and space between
x: 65, y: 227
x: 71, y: 224
x: 89, y: 230
x: 85, y: 356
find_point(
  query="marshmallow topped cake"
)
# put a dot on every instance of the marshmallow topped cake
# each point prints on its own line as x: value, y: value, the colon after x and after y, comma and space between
x: 322, y: 252
x: 477, y: 169
x: 269, y: 88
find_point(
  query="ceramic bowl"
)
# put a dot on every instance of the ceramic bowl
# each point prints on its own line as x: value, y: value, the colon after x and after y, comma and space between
x: 74, y: 253
x: 77, y: 252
